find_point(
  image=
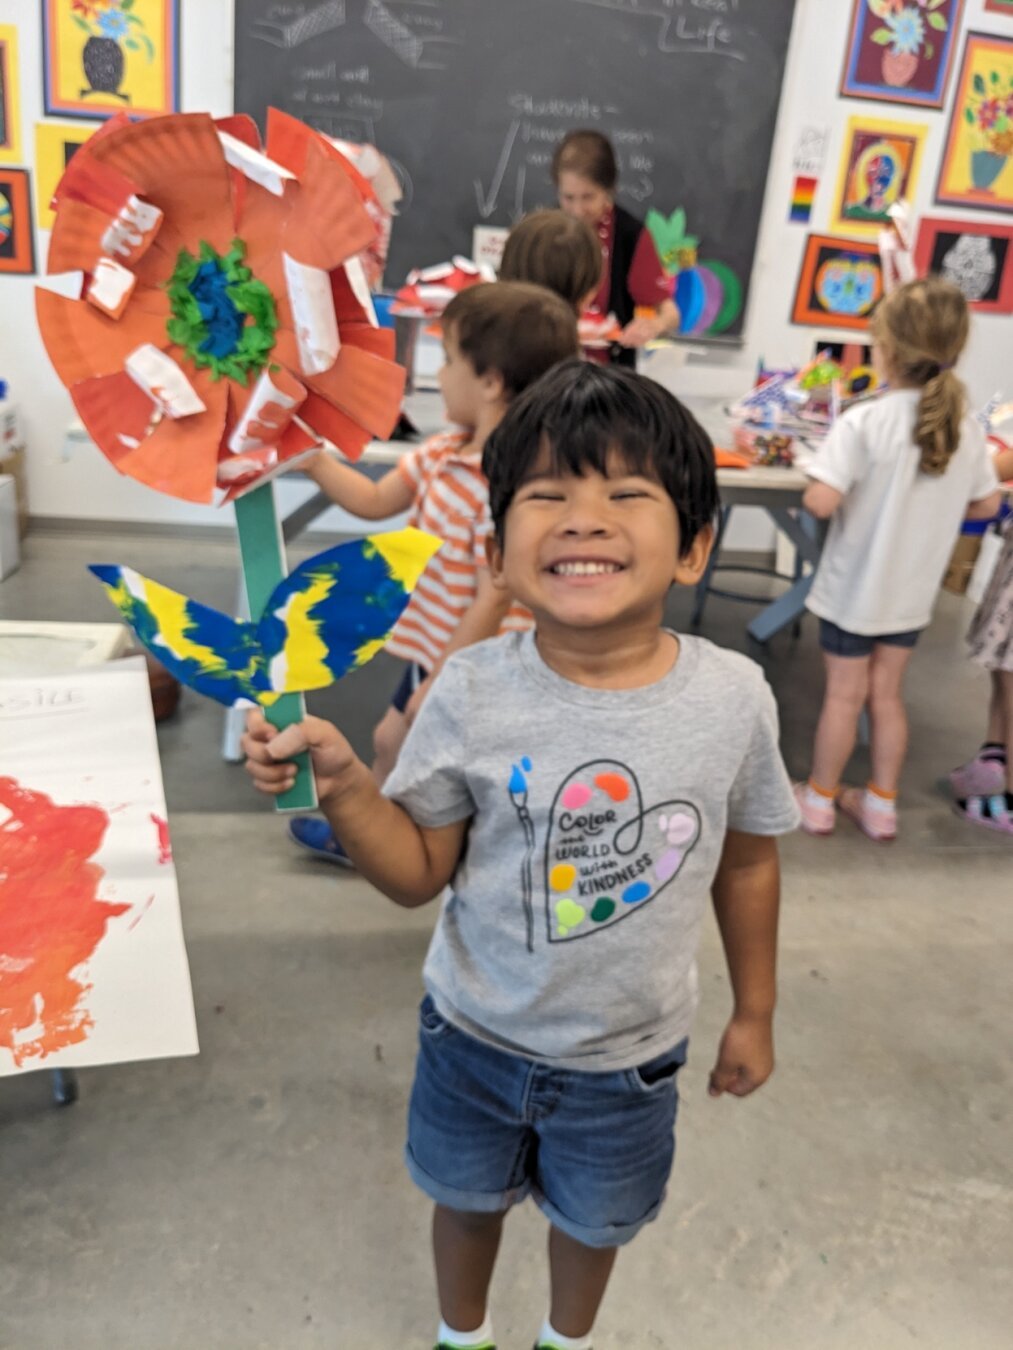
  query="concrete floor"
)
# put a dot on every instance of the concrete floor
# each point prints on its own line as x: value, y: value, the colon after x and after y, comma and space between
x: 255, y: 1197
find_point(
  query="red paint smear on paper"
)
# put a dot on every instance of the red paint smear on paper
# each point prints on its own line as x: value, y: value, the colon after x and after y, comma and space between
x: 147, y: 905
x: 51, y: 919
x: 164, y: 842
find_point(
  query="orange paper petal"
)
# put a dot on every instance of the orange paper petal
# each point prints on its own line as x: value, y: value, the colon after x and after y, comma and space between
x: 379, y: 341
x: 76, y: 244
x: 243, y: 127
x: 82, y: 342
x: 180, y: 456
x: 335, y: 426
x: 117, y: 415
x: 96, y: 184
x: 366, y: 387
x: 178, y: 165
x: 347, y: 305
x: 327, y: 220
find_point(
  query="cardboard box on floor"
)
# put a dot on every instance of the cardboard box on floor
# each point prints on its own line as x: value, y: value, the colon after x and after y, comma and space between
x: 962, y: 560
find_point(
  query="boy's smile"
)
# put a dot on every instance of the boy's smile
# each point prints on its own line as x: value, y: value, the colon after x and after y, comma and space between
x: 591, y: 551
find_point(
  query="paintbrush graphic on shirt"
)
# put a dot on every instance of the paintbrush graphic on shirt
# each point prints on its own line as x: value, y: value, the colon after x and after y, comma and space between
x: 332, y: 614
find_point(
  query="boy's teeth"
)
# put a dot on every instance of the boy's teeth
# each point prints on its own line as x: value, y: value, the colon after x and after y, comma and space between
x: 584, y: 569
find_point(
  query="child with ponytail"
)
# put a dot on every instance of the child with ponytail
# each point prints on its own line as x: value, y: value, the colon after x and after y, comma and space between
x: 895, y: 478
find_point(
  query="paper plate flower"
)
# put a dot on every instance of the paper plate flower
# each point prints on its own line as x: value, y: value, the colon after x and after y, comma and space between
x: 429, y: 290
x: 216, y: 324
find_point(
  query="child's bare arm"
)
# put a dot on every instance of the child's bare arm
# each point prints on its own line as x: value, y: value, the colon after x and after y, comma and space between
x: 352, y: 490
x: 985, y: 507
x: 746, y: 893
x: 482, y: 620
x: 821, y: 500
x: 408, y: 863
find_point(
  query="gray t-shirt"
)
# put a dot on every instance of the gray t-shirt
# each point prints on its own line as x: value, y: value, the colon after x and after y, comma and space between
x: 570, y: 929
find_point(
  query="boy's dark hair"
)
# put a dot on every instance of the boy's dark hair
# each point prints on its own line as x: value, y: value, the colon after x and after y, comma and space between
x: 515, y: 329
x: 582, y: 413
x: 588, y: 153
x: 556, y: 251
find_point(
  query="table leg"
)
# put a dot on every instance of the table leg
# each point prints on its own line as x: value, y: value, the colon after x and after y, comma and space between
x: 704, y: 584
x: 65, y: 1088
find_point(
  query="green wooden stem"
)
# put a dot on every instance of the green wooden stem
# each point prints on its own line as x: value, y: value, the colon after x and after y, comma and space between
x: 263, y: 554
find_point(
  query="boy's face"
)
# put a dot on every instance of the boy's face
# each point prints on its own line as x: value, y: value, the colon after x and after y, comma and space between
x: 464, y: 392
x: 589, y: 552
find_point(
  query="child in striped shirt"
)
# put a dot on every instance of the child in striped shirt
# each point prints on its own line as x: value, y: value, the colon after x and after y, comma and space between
x: 497, y: 339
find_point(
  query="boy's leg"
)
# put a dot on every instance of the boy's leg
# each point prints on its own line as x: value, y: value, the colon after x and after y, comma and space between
x: 578, y: 1278
x: 847, y: 689
x: 464, y: 1251
x: 887, y: 714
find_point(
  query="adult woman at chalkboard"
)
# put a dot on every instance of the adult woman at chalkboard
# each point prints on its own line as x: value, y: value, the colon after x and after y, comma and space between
x: 585, y: 174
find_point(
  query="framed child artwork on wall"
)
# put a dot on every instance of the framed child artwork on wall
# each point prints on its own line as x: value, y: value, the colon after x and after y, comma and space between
x: 10, y: 108
x: 17, y: 238
x: 102, y: 57
x: 839, y: 283
x: 977, y: 166
x: 879, y: 165
x: 900, y: 51
x: 976, y: 257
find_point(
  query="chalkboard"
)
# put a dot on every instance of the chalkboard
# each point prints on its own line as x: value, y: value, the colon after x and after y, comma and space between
x: 468, y: 99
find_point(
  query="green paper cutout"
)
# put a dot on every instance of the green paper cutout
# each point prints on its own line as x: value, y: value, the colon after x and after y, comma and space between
x: 188, y: 329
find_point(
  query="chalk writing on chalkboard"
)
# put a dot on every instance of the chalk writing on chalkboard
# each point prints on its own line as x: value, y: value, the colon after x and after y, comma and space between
x: 292, y: 25
x: 687, y: 26
x: 468, y: 99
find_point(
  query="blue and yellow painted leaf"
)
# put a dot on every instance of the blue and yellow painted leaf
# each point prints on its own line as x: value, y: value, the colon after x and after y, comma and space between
x: 332, y: 614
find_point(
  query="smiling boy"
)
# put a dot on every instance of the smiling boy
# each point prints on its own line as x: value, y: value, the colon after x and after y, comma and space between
x: 580, y: 790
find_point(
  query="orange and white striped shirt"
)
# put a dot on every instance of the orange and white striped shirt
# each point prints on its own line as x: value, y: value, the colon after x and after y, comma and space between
x: 451, y: 502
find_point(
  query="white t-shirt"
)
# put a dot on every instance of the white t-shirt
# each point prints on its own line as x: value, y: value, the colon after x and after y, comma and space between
x: 892, y: 536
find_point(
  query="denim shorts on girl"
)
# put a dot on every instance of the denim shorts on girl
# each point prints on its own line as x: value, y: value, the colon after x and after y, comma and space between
x: 487, y: 1128
x: 839, y: 642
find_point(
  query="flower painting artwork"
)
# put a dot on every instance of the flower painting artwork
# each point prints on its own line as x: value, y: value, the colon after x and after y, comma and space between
x: 977, y: 167
x: 840, y: 283
x: 108, y: 56
x: 878, y: 167
x: 976, y: 257
x: 900, y: 51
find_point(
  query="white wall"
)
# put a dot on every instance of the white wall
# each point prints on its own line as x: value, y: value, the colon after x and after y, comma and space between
x: 83, y: 486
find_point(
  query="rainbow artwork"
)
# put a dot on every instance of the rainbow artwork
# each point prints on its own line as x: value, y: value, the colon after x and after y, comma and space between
x: 332, y: 614
x: 802, y: 196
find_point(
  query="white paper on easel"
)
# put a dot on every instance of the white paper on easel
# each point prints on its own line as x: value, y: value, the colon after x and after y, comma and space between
x: 93, y: 966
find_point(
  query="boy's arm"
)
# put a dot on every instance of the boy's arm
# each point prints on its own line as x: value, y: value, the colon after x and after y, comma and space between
x: 353, y: 491
x: 746, y: 895
x: 409, y: 863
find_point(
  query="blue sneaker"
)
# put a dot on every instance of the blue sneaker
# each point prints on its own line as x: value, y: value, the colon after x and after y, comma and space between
x: 317, y: 837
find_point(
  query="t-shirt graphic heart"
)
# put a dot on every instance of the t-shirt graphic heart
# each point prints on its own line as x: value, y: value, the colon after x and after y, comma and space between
x: 606, y: 856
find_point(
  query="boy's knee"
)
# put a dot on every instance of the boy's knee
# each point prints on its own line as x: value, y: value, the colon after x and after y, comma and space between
x: 472, y: 1221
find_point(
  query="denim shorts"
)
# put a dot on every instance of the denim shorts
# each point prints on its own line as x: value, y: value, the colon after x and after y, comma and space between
x: 839, y: 642
x: 487, y: 1128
